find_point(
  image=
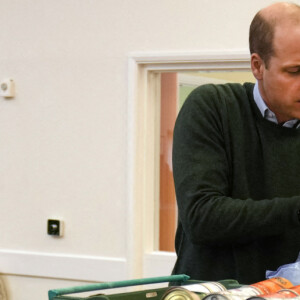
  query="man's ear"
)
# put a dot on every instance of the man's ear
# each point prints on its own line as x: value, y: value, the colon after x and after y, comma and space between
x: 257, y: 66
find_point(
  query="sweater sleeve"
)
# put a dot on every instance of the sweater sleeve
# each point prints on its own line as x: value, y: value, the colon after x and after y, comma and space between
x: 203, y: 182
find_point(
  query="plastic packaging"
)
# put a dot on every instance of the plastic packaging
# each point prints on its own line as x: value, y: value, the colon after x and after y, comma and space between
x: 289, y: 271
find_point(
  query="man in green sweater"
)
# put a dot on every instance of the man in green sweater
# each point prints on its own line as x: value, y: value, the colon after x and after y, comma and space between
x: 236, y: 162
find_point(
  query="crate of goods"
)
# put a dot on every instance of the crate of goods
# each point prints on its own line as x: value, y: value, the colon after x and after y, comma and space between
x: 175, y: 282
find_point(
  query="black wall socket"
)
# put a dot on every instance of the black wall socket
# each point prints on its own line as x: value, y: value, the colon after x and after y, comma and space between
x: 54, y: 227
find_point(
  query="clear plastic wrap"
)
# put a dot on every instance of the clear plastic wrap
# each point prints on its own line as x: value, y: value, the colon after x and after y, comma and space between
x: 289, y: 271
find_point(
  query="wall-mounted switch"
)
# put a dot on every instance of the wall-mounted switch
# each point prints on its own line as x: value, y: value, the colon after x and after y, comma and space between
x: 55, y: 227
x: 7, y: 88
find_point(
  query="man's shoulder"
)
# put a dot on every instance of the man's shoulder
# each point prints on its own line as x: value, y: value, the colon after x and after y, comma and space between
x: 220, y: 94
x: 225, y: 105
x: 223, y: 89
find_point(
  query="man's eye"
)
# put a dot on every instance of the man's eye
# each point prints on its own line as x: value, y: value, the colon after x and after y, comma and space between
x: 294, y: 70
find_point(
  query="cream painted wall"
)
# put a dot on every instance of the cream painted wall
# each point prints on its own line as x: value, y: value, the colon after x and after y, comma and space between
x: 63, y: 138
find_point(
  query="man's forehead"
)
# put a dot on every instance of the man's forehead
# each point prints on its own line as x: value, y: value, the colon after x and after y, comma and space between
x: 287, y: 32
x: 286, y: 44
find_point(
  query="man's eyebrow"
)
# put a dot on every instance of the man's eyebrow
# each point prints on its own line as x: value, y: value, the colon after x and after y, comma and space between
x: 291, y: 66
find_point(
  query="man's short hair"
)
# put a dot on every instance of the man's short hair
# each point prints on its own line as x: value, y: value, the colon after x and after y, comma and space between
x: 261, y: 37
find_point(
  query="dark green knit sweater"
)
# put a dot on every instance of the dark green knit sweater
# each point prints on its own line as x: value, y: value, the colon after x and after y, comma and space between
x: 237, y: 187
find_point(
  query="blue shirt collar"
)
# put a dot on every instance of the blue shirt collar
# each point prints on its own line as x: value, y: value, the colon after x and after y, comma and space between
x: 266, y: 112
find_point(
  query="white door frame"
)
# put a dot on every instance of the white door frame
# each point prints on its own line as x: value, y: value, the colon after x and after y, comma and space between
x: 143, y: 148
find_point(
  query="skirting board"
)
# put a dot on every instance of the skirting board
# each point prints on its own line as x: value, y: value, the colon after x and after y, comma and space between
x: 63, y: 266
